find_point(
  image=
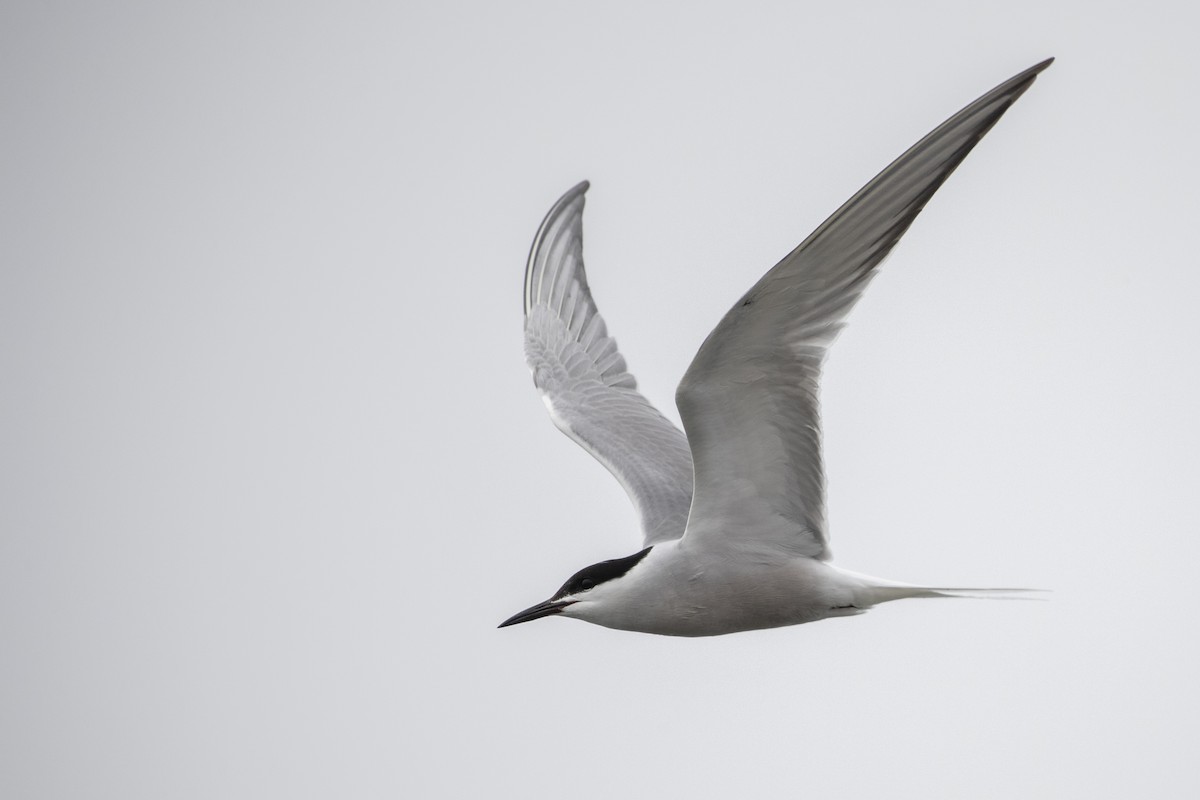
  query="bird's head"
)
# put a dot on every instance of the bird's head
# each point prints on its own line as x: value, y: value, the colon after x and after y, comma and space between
x: 588, y: 586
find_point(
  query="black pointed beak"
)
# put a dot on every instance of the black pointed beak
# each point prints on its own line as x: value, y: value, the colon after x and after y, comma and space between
x: 537, y: 612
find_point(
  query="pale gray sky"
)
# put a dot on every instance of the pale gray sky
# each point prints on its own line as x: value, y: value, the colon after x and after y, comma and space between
x: 272, y: 468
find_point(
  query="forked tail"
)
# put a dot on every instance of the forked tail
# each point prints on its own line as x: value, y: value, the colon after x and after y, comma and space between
x: 870, y: 591
x: 882, y: 594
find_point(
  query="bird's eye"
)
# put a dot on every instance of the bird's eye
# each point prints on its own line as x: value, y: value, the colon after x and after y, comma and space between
x: 586, y: 584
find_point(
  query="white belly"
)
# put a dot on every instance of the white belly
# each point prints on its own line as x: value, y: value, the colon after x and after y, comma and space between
x: 676, y: 594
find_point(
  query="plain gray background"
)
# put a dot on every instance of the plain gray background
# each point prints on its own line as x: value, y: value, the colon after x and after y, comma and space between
x: 272, y: 468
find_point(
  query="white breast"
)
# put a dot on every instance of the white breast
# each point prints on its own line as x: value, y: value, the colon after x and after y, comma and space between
x: 679, y: 592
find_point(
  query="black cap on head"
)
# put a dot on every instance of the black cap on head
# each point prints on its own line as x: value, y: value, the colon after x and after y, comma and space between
x: 587, y: 578
x: 596, y: 574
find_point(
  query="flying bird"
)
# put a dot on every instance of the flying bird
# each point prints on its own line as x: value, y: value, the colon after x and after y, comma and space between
x: 733, y: 513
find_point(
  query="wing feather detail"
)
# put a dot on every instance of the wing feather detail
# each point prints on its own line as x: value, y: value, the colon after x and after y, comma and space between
x: 749, y: 400
x: 584, y: 382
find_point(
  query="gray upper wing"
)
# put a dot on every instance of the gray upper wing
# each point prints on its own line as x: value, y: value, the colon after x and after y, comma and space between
x: 584, y: 383
x: 749, y: 399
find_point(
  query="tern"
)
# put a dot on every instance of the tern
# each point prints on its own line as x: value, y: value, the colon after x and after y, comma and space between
x: 732, y: 515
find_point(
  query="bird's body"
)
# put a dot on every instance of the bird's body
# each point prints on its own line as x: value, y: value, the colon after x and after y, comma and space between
x: 678, y: 591
x: 733, y: 513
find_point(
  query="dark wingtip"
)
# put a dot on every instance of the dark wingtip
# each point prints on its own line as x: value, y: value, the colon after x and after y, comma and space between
x: 576, y: 191
x: 569, y: 195
x: 1032, y: 72
x: 1023, y: 80
x: 1017, y: 84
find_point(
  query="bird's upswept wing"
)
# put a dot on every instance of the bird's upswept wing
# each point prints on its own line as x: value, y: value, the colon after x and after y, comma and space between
x: 584, y: 383
x: 749, y: 399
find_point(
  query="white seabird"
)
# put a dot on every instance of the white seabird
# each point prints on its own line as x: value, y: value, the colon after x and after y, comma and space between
x: 733, y: 514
